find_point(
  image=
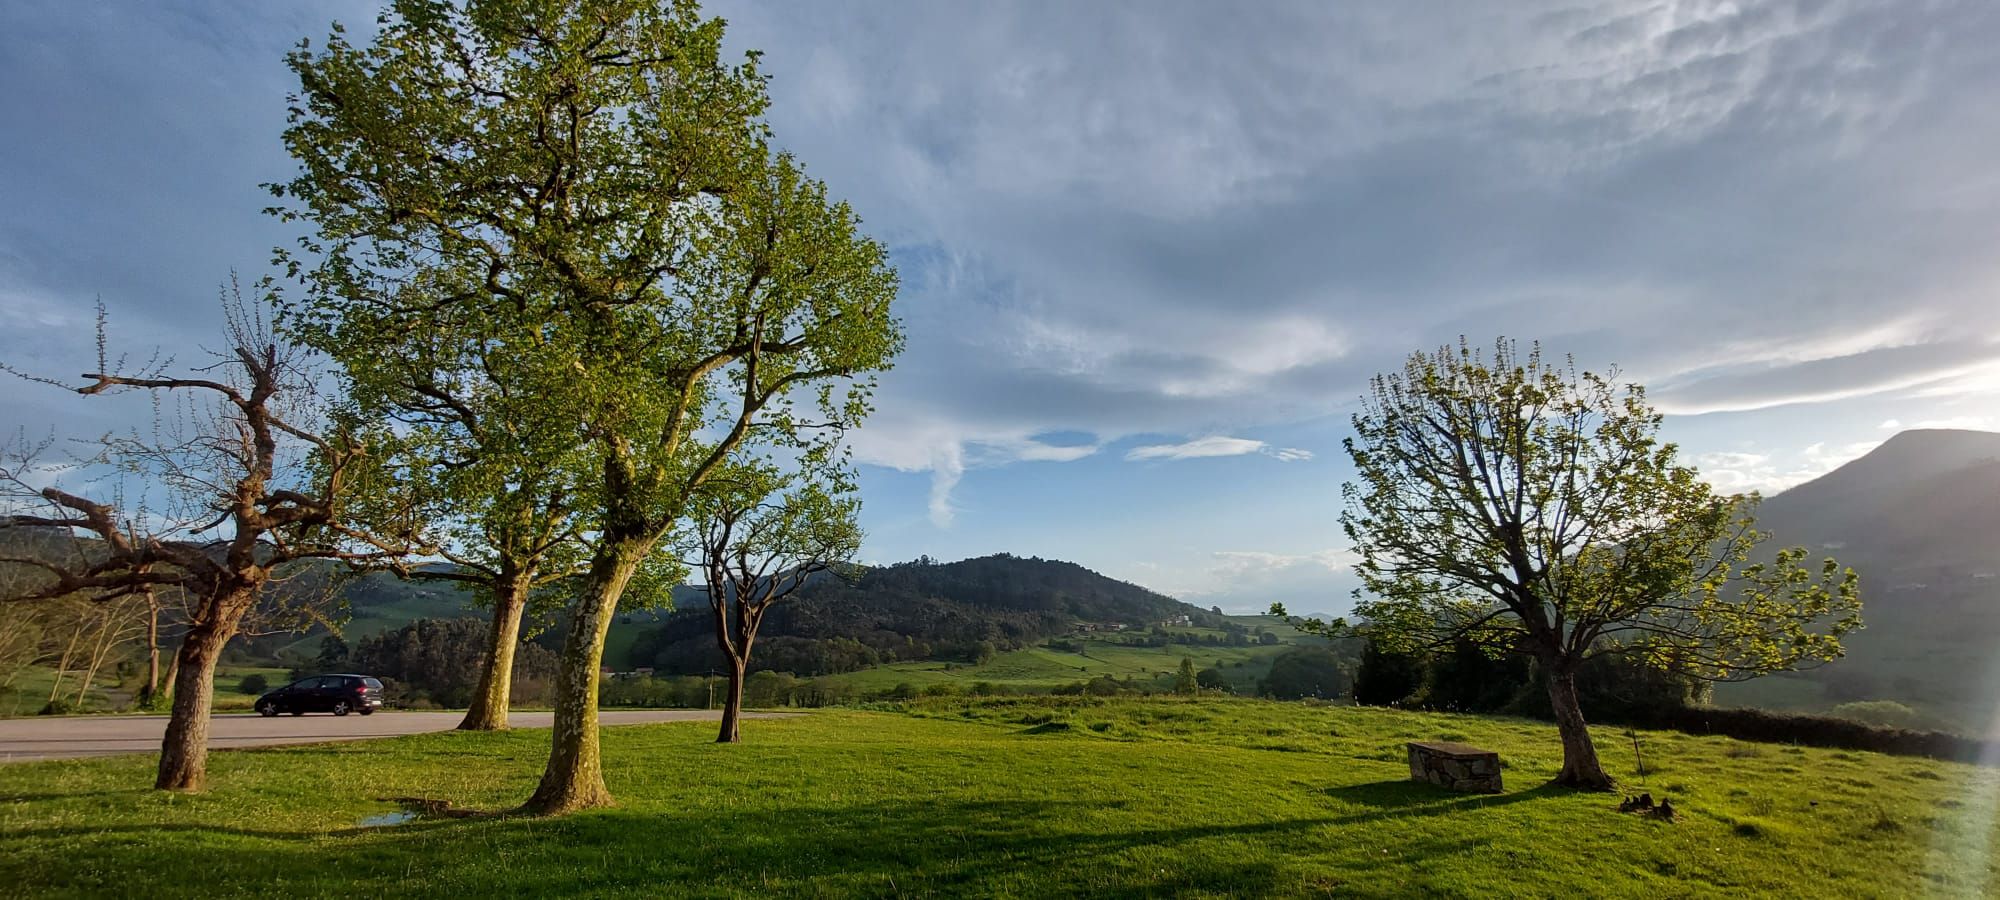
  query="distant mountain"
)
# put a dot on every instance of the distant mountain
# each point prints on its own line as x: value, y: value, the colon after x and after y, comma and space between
x: 916, y: 610
x: 1919, y: 519
x: 1925, y: 499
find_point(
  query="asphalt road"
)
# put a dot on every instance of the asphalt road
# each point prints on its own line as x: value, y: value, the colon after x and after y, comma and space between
x: 61, y: 737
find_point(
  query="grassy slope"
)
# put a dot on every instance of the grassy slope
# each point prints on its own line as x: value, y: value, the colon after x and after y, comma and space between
x: 1040, y: 667
x: 1134, y: 798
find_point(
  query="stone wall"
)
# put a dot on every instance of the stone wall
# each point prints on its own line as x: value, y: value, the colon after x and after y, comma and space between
x: 1455, y: 766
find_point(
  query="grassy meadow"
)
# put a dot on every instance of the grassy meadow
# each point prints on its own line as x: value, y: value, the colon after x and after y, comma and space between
x: 1043, y: 667
x: 1012, y: 797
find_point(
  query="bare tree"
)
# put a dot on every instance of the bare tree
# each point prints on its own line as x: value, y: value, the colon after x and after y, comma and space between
x: 251, y: 486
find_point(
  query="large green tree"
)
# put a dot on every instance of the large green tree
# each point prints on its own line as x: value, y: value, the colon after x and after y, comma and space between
x: 1533, y: 508
x: 599, y: 184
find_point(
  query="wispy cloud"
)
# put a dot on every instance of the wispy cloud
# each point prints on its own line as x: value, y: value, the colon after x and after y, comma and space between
x: 1217, y: 445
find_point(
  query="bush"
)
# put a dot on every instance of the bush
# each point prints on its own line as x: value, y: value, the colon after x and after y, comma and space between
x: 1885, y: 713
x: 1307, y: 672
x: 1812, y: 731
x: 253, y: 684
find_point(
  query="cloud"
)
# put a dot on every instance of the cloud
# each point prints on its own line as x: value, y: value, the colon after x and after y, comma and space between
x: 947, y: 467
x: 1216, y: 445
x: 1126, y: 219
x: 1120, y: 218
x: 1196, y: 449
x: 1242, y: 563
x: 1249, y: 581
x: 1875, y: 371
x: 1737, y: 472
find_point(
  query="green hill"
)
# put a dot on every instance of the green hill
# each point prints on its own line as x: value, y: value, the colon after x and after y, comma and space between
x: 921, y: 610
x: 1919, y: 518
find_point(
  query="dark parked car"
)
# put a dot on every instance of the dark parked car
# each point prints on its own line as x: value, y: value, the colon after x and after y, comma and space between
x: 337, y: 694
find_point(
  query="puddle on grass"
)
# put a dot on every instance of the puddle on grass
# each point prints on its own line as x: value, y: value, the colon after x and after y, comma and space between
x: 392, y: 818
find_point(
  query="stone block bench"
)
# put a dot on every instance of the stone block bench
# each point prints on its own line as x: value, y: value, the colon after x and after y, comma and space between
x: 1457, y: 767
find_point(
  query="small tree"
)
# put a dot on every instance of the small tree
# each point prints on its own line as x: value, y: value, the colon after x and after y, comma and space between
x: 253, y: 684
x: 1532, y: 508
x: 759, y: 537
x: 1185, y: 681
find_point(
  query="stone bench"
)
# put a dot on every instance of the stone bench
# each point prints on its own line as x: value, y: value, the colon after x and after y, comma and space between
x: 1457, y: 767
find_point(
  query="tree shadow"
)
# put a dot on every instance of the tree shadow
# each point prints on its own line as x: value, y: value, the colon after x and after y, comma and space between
x: 939, y: 846
x: 1408, y: 799
x: 36, y: 797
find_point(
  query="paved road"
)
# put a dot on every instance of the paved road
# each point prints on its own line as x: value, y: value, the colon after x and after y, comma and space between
x: 59, y: 737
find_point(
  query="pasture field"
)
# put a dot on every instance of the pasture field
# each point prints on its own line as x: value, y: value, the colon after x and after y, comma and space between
x: 1021, y: 797
x: 1042, y: 667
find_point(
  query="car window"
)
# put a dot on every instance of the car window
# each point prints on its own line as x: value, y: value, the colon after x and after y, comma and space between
x: 373, y: 683
x: 301, y: 684
x: 323, y: 683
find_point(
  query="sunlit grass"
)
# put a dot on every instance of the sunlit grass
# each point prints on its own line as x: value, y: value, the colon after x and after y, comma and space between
x: 1015, y: 797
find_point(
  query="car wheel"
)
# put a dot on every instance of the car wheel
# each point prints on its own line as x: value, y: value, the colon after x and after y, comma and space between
x: 366, y: 711
x: 340, y: 707
x: 267, y: 709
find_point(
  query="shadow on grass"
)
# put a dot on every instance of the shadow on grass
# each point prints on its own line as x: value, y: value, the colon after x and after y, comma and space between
x: 1000, y: 846
x: 36, y: 797
x: 1408, y: 799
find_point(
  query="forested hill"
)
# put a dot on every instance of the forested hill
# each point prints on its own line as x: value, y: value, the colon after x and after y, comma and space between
x: 916, y: 610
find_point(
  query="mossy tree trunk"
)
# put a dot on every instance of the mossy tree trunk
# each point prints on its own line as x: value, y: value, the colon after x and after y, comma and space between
x: 574, y: 777
x: 1580, y: 767
x: 494, y: 692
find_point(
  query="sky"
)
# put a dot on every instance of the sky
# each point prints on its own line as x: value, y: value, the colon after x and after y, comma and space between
x: 1151, y: 252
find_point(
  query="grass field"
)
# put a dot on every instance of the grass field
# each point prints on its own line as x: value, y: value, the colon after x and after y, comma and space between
x: 30, y: 691
x: 1012, y: 797
x: 1043, y: 668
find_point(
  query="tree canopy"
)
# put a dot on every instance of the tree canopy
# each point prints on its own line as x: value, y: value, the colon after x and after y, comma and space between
x: 1527, y: 506
x: 585, y: 191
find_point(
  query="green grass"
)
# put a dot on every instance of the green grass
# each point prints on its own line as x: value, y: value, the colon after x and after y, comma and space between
x: 30, y: 691
x: 1018, y: 797
x: 1041, y: 668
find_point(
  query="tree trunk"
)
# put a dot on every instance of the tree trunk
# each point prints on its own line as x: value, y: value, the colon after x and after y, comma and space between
x: 184, y: 752
x: 496, y: 680
x: 173, y: 675
x: 152, y: 648
x: 732, y: 706
x: 1580, y: 767
x: 574, y: 778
